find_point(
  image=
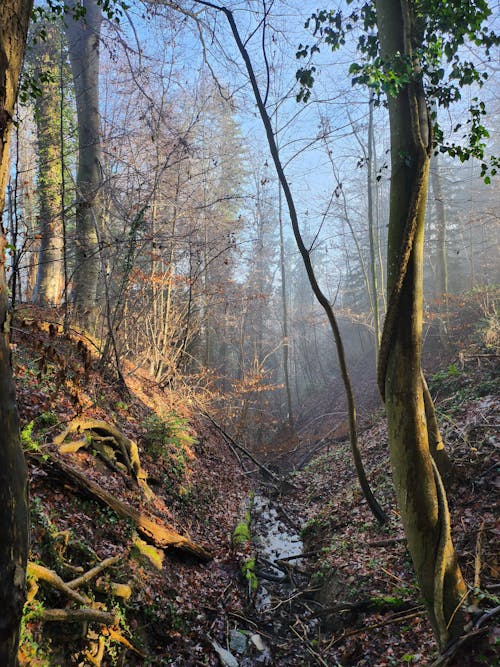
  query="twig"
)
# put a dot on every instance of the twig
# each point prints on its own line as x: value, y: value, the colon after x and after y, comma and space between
x: 309, y: 648
x: 394, y: 619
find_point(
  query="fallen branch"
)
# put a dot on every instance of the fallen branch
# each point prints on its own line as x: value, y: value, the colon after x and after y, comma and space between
x: 87, y: 576
x: 230, y: 441
x: 387, y: 543
x: 85, y: 615
x: 37, y: 571
x: 279, y: 579
x: 373, y: 605
x: 306, y: 554
x: 159, y: 534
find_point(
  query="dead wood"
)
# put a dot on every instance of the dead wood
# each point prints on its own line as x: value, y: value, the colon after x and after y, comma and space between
x: 306, y: 554
x: 156, y: 533
x: 90, y: 574
x: 85, y: 615
x: 387, y: 543
x: 102, y: 433
x: 37, y: 572
x: 373, y: 605
x: 232, y: 443
x: 278, y: 578
x: 113, y: 588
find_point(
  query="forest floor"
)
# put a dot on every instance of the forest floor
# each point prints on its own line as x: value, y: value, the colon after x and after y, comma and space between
x: 350, y: 600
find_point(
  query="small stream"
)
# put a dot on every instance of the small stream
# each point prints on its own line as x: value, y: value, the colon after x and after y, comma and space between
x: 274, y: 539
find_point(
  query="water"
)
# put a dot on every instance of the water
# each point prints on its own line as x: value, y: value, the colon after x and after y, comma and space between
x: 274, y: 540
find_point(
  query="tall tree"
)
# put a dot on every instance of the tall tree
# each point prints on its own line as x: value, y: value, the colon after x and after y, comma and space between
x: 306, y: 257
x: 50, y: 278
x: 413, y: 38
x: 14, y: 18
x: 441, y: 287
x: 420, y: 491
x: 83, y: 34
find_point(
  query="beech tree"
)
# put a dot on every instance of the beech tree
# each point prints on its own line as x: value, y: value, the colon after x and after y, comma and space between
x: 419, y: 488
x: 50, y: 279
x: 14, y: 18
x: 403, y: 62
x: 83, y: 33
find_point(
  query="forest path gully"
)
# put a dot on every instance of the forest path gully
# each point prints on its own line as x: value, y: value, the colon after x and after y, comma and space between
x: 159, y: 539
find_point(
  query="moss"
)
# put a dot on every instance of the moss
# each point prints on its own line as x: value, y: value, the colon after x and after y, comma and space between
x: 154, y: 555
x: 241, y: 533
x: 248, y: 571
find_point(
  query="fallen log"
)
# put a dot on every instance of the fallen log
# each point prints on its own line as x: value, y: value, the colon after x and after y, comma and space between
x: 158, y: 534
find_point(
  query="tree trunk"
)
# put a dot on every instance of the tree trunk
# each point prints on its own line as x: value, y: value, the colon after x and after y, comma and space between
x: 50, y: 280
x: 441, y: 259
x: 284, y: 307
x: 14, y: 529
x: 375, y: 508
x: 419, y: 489
x: 371, y: 222
x: 83, y: 42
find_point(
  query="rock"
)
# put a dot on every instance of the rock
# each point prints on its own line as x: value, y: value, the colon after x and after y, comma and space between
x: 237, y: 641
x: 226, y: 658
x: 258, y: 643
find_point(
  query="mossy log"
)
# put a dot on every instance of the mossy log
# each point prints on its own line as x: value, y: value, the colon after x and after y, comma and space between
x: 103, y: 434
x: 36, y: 571
x: 156, y: 533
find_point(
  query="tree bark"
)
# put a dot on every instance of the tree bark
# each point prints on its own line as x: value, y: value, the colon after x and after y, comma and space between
x: 83, y: 42
x: 14, y: 528
x: 50, y: 280
x: 419, y: 489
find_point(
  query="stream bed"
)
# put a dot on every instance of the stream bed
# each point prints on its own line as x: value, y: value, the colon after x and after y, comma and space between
x: 277, y: 604
x: 275, y: 540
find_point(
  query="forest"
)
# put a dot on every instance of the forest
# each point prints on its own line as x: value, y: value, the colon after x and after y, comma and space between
x: 250, y: 333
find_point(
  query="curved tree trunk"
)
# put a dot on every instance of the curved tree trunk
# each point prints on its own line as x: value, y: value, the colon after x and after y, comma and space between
x: 14, y: 530
x: 83, y: 42
x: 374, y: 506
x: 421, y: 496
